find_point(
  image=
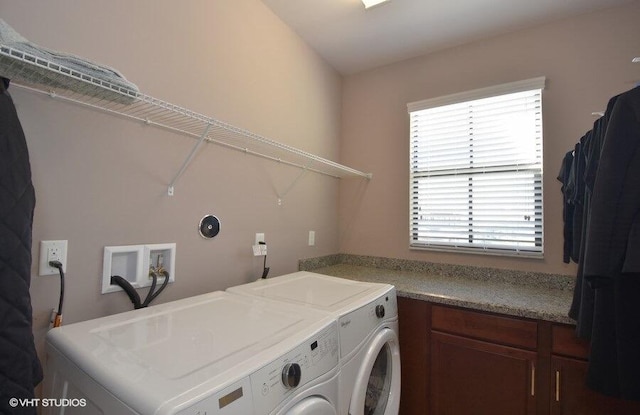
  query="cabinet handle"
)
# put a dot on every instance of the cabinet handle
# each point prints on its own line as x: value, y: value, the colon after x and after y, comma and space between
x: 533, y: 379
x: 557, y: 386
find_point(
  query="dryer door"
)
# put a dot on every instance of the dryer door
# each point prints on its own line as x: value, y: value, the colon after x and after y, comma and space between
x: 377, y: 388
x: 312, y: 406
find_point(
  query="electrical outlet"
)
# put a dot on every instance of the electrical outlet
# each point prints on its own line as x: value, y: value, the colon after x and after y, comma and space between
x: 312, y: 238
x: 52, y: 251
x: 260, y: 247
x: 259, y: 250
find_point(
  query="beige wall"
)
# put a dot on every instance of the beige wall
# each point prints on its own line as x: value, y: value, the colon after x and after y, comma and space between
x: 102, y: 181
x: 586, y: 60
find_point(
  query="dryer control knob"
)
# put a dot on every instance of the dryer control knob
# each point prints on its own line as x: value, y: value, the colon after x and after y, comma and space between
x: 291, y: 374
x: 380, y: 311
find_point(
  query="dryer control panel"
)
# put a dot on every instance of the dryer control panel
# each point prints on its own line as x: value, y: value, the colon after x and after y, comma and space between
x: 277, y: 380
x: 357, y: 325
x: 265, y: 389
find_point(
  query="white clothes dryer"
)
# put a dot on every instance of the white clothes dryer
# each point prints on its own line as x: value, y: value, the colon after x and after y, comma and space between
x: 367, y: 315
x: 214, y: 354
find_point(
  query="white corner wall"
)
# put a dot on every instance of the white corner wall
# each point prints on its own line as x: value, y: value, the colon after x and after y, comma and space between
x: 586, y: 59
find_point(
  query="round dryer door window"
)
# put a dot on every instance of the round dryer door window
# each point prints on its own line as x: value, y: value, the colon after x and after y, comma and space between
x: 377, y: 390
x: 379, y: 385
x: 312, y: 406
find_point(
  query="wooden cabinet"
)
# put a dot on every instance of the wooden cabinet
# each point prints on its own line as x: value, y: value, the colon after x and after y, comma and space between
x: 570, y: 395
x: 414, y: 324
x: 477, y: 377
x: 482, y: 364
x: 459, y: 361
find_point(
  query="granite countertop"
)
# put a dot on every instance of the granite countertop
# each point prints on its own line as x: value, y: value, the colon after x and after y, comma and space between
x: 543, y: 299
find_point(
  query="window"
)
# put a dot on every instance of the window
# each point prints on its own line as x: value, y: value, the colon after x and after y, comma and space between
x: 476, y: 171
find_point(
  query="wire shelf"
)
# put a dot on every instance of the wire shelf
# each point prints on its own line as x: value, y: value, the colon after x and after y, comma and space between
x: 42, y: 76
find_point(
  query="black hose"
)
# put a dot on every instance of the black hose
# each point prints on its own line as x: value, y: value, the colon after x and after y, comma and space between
x: 128, y: 288
x: 133, y: 294
x: 152, y: 295
x: 154, y: 282
x: 61, y: 300
x: 58, y: 319
x: 265, y: 269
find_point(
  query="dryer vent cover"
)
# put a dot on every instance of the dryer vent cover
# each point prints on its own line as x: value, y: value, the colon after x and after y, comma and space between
x: 209, y: 226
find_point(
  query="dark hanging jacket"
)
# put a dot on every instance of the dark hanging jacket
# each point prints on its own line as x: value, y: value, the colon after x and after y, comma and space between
x: 612, y: 255
x: 584, y: 171
x: 20, y: 369
x: 567, y: 207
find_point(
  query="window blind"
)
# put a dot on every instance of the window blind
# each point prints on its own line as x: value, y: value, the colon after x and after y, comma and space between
x: 476, y: 171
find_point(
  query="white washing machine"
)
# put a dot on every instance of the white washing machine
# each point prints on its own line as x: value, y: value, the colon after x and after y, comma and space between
x: 367, y: 315
x: 213, y: 354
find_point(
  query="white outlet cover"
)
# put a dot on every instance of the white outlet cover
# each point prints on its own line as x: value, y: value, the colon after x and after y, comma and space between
x: 132, y: 262
x: 169, y: 252
x: 125, y: 261
x: 45, y: 246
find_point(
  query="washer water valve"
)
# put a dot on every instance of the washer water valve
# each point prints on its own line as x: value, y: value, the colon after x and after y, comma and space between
x: 159, y: 268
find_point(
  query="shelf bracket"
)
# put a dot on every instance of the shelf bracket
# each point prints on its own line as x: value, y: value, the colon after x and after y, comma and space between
x: 283, y: 194
x: 188, y: 160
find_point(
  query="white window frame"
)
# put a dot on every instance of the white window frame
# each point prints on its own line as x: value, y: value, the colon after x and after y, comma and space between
x: 417, y: 239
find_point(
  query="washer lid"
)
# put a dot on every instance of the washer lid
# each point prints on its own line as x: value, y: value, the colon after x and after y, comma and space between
x: 181, y: 350
x: 332, y: 294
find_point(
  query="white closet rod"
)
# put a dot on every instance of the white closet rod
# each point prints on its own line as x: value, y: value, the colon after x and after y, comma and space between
x: 41, y: 76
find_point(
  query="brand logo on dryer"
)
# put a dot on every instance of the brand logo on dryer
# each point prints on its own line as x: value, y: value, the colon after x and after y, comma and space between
x: 345, y: 323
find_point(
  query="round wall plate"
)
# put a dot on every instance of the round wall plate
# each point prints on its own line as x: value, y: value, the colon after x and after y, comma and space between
x: 209, y: 226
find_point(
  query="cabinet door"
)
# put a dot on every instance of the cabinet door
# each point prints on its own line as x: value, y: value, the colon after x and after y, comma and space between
x: 570, y: 395
x: 475, y: 377
x: 415, y: 323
